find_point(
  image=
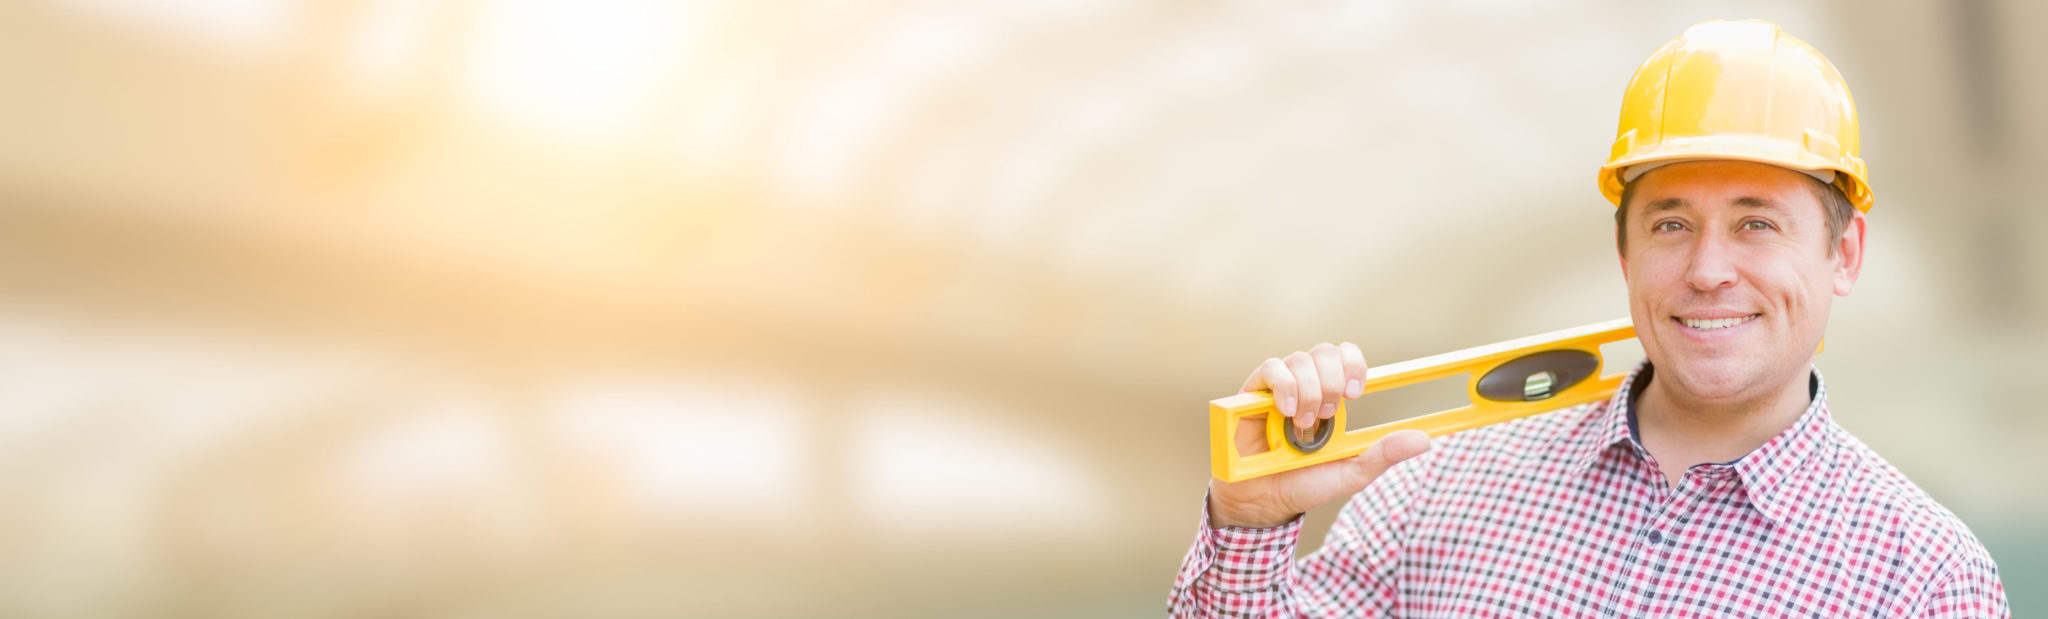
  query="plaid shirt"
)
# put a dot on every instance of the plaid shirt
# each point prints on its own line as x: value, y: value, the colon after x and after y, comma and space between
x: 1565, y: 514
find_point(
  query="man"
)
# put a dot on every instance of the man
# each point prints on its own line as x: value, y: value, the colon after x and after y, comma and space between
x: 1713, y: 483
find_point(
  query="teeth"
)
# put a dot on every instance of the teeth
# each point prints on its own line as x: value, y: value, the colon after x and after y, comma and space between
x: 1717, y: 323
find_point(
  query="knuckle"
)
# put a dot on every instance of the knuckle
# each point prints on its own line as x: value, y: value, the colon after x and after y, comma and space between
x: 1331, y: 362
x: 1280, y: 381
x: 1353, y: 356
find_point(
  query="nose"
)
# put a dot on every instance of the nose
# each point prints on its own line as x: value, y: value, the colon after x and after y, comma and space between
x: 1711, y: 265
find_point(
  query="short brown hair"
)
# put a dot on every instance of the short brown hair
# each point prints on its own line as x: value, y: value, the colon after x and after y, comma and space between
x: 1833, y: 202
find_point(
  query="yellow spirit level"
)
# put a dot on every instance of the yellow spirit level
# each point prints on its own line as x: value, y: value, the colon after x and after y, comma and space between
x: 1510, y: 380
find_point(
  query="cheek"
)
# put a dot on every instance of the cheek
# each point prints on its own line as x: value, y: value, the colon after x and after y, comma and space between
x: 1652, y: 275
x: 1801, y: 288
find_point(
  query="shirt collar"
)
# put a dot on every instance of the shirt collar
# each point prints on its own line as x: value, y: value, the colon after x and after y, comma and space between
x: 1770, y: 474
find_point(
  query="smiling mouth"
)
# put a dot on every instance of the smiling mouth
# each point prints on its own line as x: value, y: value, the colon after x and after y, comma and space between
x: 1713, y: 324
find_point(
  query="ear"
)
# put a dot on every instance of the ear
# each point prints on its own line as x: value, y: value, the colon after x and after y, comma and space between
x: 1849, y: 255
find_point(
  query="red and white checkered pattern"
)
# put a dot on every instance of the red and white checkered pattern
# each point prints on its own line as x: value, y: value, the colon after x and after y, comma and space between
x: 1566, y: 515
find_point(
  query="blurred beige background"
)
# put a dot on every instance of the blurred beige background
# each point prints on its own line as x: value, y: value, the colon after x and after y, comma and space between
x: 401, y: 308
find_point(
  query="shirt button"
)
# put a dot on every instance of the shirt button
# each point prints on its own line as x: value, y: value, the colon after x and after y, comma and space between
x: 1656, y: 537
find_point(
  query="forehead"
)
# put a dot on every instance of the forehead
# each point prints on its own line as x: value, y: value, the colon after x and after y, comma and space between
x: 1712, y: 186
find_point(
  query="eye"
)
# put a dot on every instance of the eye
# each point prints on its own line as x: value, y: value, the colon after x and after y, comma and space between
x: 1667, y: 226
x: 1756, y: 224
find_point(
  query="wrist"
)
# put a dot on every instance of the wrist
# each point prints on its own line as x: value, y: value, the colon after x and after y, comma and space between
x: 1226, y: 513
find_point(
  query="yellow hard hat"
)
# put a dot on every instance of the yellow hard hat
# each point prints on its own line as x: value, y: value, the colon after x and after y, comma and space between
x: 1743, y: 90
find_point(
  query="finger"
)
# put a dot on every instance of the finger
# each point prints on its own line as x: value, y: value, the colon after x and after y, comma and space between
x: 1389, y: 451
x: 1274, y: 376
x: 1354, y: 370
x: 1308, y: 387
x: 1330, y: 372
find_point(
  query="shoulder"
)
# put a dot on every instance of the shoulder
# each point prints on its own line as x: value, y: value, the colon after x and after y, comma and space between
x: 1530, y: 447
x: 1536, y: 437
x: 1889, y: 520
x: 1478, y: 460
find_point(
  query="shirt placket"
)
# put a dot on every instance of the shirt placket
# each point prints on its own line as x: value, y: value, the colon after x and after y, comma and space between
x: 1653, y: 540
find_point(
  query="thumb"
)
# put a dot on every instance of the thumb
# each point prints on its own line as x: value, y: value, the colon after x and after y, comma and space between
x: 1383, y: 455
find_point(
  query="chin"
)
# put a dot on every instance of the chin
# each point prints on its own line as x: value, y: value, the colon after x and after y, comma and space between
x: 1714, y: 380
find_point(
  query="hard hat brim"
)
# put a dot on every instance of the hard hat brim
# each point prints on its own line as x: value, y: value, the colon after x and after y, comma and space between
x: 1848, y: 172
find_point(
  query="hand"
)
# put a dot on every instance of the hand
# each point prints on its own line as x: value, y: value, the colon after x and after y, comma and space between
x: 1306, y: 387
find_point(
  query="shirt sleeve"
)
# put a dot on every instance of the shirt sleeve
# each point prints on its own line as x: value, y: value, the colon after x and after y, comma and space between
x: 1244, y: 572
x: 1969, y: 588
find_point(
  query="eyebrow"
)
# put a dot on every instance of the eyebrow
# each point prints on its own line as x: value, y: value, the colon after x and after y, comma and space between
x: 1754, y: 202
x: 1759, y: 203
x: 1664, y: 205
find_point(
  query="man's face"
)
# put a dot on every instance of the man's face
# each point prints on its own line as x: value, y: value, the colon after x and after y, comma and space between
x: 1730, y: 276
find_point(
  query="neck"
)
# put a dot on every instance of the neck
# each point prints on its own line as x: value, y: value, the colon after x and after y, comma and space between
x: 1681, y: 431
